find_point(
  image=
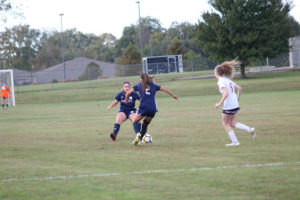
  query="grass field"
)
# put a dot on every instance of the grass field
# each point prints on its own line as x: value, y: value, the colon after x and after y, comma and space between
x: 55, y: 145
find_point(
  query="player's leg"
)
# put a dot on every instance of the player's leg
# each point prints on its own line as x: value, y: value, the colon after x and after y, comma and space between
x: 136, y: 120
x: 120, y: 118
x: 6, y: 102
x: 145, y: 124
x: 2, y: 102
x: 226, y: 120
x: 136, y: 125
x: 241, y: 126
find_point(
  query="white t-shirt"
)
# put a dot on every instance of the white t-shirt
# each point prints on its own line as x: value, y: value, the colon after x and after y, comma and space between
x: 231, y: 102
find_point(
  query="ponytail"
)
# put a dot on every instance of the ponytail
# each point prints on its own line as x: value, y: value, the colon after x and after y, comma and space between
x: 146, y: 80
x: 226, y: 68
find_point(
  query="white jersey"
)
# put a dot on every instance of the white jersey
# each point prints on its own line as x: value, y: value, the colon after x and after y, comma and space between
x: 231, y: 102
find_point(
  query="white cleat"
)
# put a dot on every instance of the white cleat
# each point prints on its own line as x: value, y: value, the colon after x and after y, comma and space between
x: 252, y: 132
x: 232, y: 144
x: 136, y: 141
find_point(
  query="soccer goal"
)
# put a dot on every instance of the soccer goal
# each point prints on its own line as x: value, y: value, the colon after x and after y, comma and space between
x: 8, y: 77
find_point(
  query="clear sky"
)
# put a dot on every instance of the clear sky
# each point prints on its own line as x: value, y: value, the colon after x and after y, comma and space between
x: 110, y: 16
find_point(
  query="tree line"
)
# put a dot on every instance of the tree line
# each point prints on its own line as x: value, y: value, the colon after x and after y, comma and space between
x: 248, y: 29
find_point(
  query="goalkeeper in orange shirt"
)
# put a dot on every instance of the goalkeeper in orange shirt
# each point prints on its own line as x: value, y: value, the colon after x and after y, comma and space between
x: 5, y: 94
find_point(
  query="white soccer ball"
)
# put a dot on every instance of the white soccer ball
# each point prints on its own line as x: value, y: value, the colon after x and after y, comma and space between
x: 147, y: 138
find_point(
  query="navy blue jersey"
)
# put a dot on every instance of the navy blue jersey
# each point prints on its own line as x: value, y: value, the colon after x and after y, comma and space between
x: 131, y: 101
x: 147, y: 97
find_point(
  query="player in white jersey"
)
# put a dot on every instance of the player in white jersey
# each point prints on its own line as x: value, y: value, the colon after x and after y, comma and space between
x: 230, y: 99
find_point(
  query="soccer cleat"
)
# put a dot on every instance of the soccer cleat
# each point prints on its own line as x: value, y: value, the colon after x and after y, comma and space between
x: 137, y: 139
x: 232, y: 144
x: 139, y: 143
x: 252, y: 132
x: 113, y: 136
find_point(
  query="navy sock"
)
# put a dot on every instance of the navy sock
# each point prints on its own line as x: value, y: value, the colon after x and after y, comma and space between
x: 6, y: 105
x: 116, y: 128
x: 2, y: 105
x: 144, y: 127
x: 137, y: 127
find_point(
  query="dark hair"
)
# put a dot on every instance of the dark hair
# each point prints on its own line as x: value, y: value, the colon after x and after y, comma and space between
x: 146, y: 79
x: 126, y: 82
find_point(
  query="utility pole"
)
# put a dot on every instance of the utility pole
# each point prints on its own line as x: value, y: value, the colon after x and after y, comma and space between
x: 140, y: 27
x: 62, y: 46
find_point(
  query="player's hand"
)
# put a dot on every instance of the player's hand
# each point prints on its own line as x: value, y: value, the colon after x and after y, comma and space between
x: 126, y: 100
x: 218, y: 105
x: 175, y: 97
x: 109, y: 107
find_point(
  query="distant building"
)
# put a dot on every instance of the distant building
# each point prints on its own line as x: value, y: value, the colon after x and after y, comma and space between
x: 294, y: 55
x: 74, y: 69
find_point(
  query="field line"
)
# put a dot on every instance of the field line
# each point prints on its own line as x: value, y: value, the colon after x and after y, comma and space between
x: 157, y: 171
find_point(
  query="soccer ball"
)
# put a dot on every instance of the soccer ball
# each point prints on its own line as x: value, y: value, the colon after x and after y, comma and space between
x: 147, y: 138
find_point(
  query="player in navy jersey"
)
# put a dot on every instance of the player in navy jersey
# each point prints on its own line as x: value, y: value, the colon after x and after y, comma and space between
x: 127, y: 110
x: 147, y: 109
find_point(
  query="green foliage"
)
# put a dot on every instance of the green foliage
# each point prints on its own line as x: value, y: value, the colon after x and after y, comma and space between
x: 54, y: 80
x: 175, y: 48
x: 92, y: 72
x: 130, y: 55
x: 18, y: 45
x: 248, y: 29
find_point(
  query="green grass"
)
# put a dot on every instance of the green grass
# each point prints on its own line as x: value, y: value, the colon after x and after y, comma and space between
x: 66, y: 134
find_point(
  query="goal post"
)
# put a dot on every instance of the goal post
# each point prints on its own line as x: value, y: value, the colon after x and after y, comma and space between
x: 7, y: 76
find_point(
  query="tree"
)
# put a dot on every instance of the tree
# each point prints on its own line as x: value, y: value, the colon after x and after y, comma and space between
x: 295, y: 26
x: 102, y: 48
x: 129, y: 36
x: 248, y: 29
x: 18, y: 46
x: 176, y: 47
x: 92, y: 72
x: 130, y: 56
x: 7, y: 8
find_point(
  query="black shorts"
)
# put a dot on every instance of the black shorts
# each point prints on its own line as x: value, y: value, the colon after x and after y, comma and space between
x: 231, y: 111
x: 4, y: 97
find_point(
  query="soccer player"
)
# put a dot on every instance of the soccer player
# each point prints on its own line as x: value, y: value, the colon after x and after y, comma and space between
x: 5, y: 94
x: 223, y: 74
x: 127, y: 110
x: 147, y: 108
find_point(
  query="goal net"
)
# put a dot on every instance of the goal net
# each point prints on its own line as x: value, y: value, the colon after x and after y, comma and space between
x: 8, y: 77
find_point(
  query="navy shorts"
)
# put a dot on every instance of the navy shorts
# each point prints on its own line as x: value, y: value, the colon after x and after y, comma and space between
x: 231, y: 111
x: 147, y: 113
x: 128, y: 112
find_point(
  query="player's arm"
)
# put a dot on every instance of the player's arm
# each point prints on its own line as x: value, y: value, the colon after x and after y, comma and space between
x: 239, y: 91
x: 225, y: 95
x: 169, y: 92
x: 128, y: 94
x: 113, y: 104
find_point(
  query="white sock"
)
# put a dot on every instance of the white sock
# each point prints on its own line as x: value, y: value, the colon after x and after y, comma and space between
x: 242, y: 126
x: 232, y: 136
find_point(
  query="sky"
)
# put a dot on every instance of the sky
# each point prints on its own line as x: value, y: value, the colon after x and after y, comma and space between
x: 110, y: 16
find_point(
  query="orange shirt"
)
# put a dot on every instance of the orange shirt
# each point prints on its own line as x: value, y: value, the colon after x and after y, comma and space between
x: 5, y: 91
